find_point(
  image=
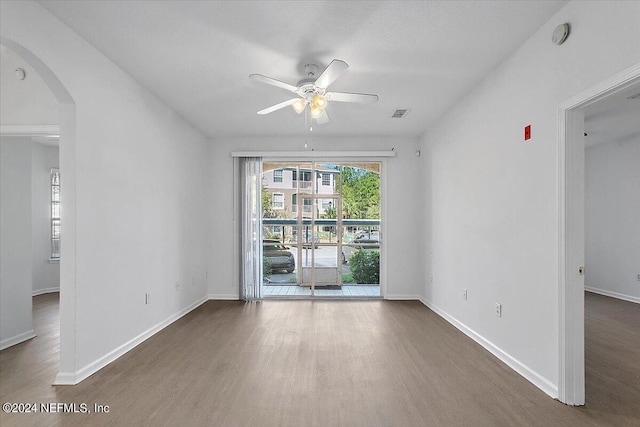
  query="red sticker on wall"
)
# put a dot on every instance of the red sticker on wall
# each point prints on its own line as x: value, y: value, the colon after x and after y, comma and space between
x: 527, y: 132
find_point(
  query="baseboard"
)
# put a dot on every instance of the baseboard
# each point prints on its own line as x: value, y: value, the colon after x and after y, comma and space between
x: 224, y: 296
x: 536, y: 379
x: 66, y: 378
x: 45, y: 291
x: 402, y: 297
x: 612, y: 294
x: 10, y: 342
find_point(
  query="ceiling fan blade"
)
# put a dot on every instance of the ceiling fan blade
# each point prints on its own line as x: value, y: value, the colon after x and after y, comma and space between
x: 277, y: 106
x: 324, y: 118
x: 273, y: 82
x: 363, y: 98
x: 331, y: 73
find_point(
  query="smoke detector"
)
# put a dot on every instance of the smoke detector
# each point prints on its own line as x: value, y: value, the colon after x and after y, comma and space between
x: 560, y: 34
x: 20, y: 74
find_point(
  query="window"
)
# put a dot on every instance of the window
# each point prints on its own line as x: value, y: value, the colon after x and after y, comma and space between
x: 277, y: 201
x: 304, y: 176
x: 277, y: 175
x: 326, y: 179
x: 55, y: 213
x: 306, y: 202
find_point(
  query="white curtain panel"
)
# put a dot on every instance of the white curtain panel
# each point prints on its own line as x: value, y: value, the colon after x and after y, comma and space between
x: 251, y: 267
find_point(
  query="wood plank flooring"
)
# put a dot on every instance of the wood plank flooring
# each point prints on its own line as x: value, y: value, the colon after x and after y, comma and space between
x: 612, y: 357
x: 322, y: 363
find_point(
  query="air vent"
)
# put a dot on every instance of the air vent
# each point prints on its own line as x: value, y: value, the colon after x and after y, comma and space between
x: 636, y: 96
x: 400, y: 113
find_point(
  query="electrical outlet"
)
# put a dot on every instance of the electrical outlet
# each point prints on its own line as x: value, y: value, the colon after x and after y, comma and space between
x: 465, y: 295
x: 177, y: 286
x: 431, y: 279
x: 498, y: 309
x: 147, y: 298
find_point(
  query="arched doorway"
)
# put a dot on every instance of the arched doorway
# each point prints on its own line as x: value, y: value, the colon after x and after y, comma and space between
x: 67, y: 149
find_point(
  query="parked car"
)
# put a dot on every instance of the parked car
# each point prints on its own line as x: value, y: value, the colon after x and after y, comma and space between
x: 366, y: 234
x: 279, y: 255
x: 348, y: 249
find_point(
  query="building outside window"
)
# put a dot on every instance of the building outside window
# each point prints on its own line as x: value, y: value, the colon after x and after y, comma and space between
x: 277, y: 175
x: 304, y: 176
x: 277, y: 201
x: 326, y: 179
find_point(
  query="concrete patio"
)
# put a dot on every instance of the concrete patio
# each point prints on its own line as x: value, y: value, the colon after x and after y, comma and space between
x: 347, y: 291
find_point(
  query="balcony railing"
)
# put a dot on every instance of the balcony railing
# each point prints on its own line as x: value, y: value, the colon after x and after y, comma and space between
x: 301, y: 184
x: 355, y: 223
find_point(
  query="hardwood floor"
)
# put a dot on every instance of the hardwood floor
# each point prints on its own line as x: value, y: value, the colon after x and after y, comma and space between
x: 612, y: 357
x: 322, y: 363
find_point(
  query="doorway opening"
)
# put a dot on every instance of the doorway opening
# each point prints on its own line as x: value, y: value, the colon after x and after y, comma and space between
x: 571, y: 250
x: 612, y: 248
x: 321, y: 228
x: 66, y: 120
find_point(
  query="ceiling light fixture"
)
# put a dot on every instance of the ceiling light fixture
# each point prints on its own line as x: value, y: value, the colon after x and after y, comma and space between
x: 316, y: 112
x: 316, y: 104
x: 312, y: 91
x: 320, y: 101
x: 298, y: 105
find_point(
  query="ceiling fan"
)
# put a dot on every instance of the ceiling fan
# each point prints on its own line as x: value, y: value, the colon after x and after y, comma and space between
x: 312, y: 92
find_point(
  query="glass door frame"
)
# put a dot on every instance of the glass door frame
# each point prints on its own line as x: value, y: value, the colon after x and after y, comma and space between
x: 342, y: 159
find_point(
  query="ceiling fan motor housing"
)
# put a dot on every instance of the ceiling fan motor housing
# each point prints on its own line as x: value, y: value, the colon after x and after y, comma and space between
x: 307, y: 88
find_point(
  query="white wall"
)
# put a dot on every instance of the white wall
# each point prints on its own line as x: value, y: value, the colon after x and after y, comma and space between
x: 142, y: 203
x: 612, y: 218
x: 24, y: 102
x: 46, y: 275
x: 492, y: 198
x: 15, y: 229
x: 25, y: 237
x: 403, y: 224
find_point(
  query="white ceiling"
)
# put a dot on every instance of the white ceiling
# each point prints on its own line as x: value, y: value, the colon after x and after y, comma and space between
x: 197, y: 55
x: 615, y: 118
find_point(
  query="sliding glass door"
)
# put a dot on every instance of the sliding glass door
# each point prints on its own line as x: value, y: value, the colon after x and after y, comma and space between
x: 311, y: 243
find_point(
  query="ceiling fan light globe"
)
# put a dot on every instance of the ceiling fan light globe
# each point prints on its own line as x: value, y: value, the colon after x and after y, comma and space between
x: 298, y: 106
x: 316, y: 112
x: 320, y: 101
